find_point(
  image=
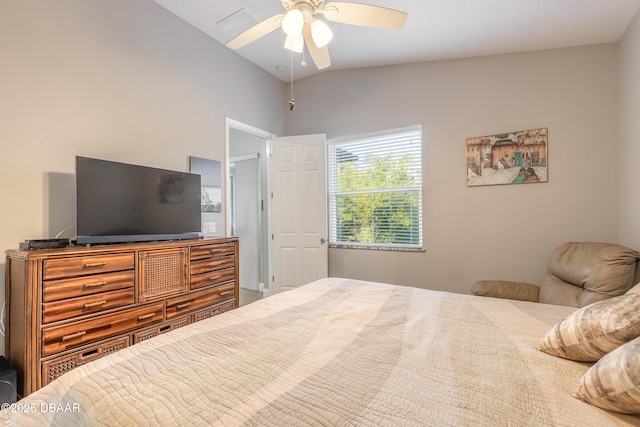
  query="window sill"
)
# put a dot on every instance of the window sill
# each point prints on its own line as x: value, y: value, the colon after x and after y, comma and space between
x: 376, y: 247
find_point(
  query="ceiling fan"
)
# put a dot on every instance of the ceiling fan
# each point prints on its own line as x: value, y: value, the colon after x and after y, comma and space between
x: 303, y: 27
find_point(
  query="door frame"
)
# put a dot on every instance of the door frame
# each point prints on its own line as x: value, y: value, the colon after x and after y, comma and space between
x: 230, y: 123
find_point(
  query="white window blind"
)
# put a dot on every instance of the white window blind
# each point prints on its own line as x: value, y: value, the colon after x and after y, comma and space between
x: 375, y: 190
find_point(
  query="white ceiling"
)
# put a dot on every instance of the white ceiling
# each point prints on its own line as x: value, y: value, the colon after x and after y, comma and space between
x: 435, y: 29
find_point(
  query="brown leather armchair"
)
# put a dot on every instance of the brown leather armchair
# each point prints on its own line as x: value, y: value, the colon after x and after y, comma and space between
x: 578, y: 274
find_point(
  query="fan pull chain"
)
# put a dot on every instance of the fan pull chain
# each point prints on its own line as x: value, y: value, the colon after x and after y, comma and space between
x: 292, y: 103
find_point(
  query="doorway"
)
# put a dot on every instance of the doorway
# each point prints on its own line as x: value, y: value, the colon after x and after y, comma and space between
x: 247, y: 209
x: 282, y: 179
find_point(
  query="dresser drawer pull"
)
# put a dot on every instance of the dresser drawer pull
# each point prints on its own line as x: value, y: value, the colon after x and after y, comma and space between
x: 93, y: 352
x: 94, y: 304
x: 73, y: 336
x: 94, y: 265
x: 215, y: 251
x: 215, y: 264
x: 215, y: 277
x: 94, y: 284
x: 183, y: 305
x: 225, y: 293
x: 146, y: 316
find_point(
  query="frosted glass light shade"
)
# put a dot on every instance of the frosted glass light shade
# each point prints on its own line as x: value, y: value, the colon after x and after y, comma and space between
x: 321, y: 33
x: 294, y: 44
x: 293, y: 22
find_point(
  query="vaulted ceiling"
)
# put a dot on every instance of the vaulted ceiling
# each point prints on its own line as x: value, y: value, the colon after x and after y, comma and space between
x: 434, y: 30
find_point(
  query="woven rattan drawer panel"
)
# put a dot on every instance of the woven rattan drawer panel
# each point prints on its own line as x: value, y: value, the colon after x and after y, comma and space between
x: 212, y: 311
x: 162, y: 273
x: 80, y: 266
x: 71, y: 335
x: 75, y: 307
x: 208, y: 251
x: 55, y: 290
x: 52, y: 369
x: 176, y: 323
x: 199, y: 299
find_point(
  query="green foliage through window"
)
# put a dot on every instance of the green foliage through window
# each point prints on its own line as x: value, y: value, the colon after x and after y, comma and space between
x: 375, y: 190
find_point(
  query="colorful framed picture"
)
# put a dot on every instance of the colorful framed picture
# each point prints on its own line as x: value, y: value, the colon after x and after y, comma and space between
x: 508, y: 158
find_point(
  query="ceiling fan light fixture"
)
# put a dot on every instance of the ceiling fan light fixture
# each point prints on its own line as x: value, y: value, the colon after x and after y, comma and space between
x: 294, y: 44
x: 321, y: 33
x: 298, y: 20
x: 293, y: 22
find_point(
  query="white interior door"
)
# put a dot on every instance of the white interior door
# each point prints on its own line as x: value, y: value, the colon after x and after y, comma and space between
x: 299, y: 211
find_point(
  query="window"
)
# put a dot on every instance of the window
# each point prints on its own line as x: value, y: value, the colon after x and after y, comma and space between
x: 375, y: 190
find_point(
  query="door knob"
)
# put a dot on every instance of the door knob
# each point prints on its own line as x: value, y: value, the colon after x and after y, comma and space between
x: 322, y: 240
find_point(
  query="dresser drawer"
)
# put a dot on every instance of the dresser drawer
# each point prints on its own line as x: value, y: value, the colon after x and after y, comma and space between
x: 61, y: 338
x: 53, y: 368
x: 212, y: 311
x: 55, y: 290
x: 67, y: 309
x: 216, y: 250
x: 199, y: 299
x: 162, y: 328
x: 212, y: 264
x: 212, y: 278
x: 81, y: 266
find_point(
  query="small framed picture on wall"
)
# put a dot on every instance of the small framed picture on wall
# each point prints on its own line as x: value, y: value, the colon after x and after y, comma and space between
x: 211, y: 189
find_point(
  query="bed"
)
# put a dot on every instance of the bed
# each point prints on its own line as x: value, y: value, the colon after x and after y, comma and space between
x: 335, y: 352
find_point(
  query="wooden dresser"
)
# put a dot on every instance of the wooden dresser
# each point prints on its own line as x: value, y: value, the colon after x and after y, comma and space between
x: 66, y: 307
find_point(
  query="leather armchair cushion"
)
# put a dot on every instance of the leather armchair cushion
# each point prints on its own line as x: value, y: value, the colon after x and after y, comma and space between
x: 581, y: 273
x: 506, y: 289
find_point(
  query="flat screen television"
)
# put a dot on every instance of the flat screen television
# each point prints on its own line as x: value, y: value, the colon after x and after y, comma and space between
x: 121, y: 203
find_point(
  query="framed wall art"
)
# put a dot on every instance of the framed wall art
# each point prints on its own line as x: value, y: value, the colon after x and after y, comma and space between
x: 508, y: 158
x: 211, y: 191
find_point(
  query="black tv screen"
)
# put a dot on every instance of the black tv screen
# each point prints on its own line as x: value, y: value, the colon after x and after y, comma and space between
x: 120, y: 202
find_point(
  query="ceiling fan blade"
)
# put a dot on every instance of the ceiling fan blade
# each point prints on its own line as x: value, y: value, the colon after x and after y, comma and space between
x: 320, y: 55
x: 364, y: 15
x: 254, y: 33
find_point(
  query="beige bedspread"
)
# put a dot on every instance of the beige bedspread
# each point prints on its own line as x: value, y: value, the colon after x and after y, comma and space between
x: 334, y: 353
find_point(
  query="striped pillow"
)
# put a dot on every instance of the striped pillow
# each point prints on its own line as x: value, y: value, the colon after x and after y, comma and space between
x: 593, y: 331
x: 614, y: 382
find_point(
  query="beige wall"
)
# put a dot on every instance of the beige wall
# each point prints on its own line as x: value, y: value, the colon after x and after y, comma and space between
x: 127, y: 81
x: 500, y: 232
x: 121, y: 80
x: 629, y: 135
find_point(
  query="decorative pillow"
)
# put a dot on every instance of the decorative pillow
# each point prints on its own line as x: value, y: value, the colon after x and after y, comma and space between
x: 593, y: 331
x: 634, y: 290
x: 614, y: 382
